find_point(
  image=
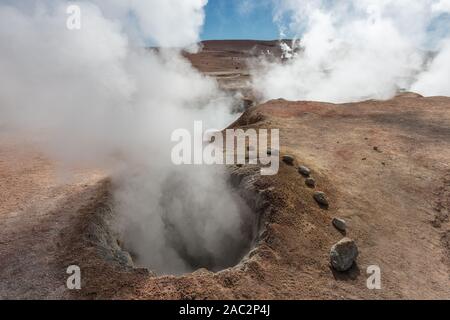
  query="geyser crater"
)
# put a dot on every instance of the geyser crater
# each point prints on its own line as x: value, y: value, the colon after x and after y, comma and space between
x: 192, y: 225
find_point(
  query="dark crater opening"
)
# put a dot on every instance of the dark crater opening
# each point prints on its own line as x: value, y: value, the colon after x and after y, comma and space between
x: 193, y: 230
x: 224, y: 246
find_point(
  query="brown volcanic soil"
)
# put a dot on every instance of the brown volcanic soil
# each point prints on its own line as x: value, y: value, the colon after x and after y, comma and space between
x: 232, y: 55
x: 395, y: 198
x: 36, y: 203
x: 228, y: 60
x: 396, y: 201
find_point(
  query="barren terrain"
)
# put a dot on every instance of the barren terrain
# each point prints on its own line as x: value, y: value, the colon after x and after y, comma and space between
x: 384, y: 165
x: 228, y: 62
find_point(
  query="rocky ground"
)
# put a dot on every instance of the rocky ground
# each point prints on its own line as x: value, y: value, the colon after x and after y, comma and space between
x: 382, y: 167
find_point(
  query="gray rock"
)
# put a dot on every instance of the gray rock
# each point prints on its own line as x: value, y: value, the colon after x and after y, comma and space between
x: 288, y: 159
x: 343, y: 254
x: 310, y: 182
x: 304, y: 171
x: 321, y: 198
x: 340, y: 224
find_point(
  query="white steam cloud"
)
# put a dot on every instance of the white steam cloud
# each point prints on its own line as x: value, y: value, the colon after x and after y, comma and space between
x: 96, y: 96
x: 360, y: 49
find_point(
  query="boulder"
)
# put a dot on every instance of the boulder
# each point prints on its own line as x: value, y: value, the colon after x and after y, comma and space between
x: 343, y: 254
x: 310, y: 182
x: 321, y: 198
x: 340, y: 224
x: 288, y: 159
x: 304, y: 171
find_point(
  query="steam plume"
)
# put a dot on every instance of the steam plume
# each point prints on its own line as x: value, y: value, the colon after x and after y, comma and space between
x: 356, y: 50
x: 97, y: 97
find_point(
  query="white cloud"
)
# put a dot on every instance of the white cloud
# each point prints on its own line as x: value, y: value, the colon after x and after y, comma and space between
x: 95, y: 99
x: 443, y: 6
x: 352, y: 50
x: 169, y: 23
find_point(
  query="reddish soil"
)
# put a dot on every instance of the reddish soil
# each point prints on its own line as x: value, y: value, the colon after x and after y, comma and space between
x: 36, y: 203
x: 228, y: 62
x: 385, y: 167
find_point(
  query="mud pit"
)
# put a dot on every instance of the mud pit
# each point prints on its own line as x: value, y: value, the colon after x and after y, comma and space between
x: 194, y: 237
x: 184, y: 229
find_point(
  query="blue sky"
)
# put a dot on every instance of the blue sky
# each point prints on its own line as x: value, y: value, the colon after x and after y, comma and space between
x: 239, y: 19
